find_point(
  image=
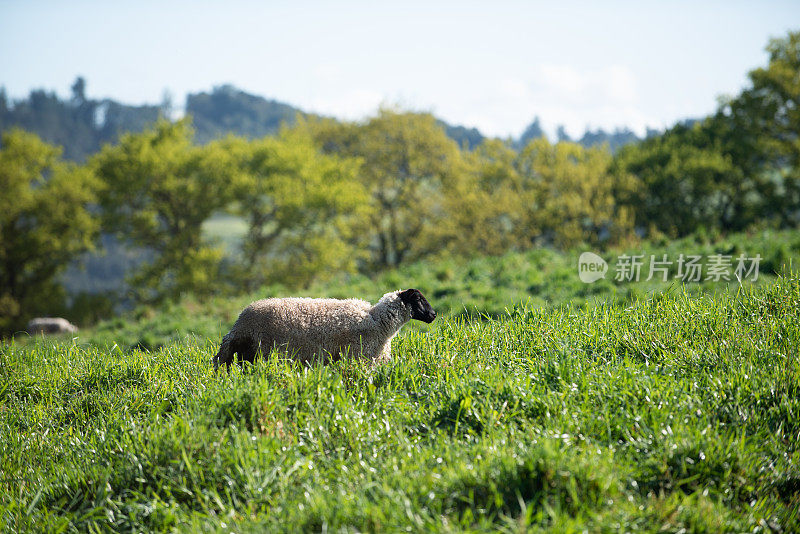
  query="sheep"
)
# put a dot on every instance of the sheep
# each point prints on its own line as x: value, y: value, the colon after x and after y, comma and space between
x: 322, y: 329
x: 50, y: 325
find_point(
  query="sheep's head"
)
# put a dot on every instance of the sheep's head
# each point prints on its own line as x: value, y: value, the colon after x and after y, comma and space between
x: 421, y: 310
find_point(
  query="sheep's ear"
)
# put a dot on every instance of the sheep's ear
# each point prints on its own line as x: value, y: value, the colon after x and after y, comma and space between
x: 409, y: 295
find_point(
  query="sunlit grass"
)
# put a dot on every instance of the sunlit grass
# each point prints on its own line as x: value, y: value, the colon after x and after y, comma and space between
x: 675, y: 412
x: 481, y: 286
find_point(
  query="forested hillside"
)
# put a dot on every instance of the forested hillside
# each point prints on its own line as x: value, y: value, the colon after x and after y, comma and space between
x: 82, y: 125
x: 226, y: 110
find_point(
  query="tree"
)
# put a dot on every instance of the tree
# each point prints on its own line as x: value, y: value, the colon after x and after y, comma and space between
x: 466, y: 138
x: 561, y: 134
x: 158, y: 189
x: 735, y: 168
x: 45, y: 222
x: 408, y: 163
x: 79, y: 91
x: 615, y: 140
x: 687, y: 179
x: 533, y: 131
x: 304, y: 210
x: 486, y: 211
x: 762, y: 130
x: 570, y: 194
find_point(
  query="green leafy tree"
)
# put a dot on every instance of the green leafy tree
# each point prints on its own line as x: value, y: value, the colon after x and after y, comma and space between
x: 761, y: 131
x: 408, y: 163
x: 304, y: 209
x: 570, y: 194
x: 738, y: 167
x: 688, y: 181
x: 486, y: 211
x: 158, y: 189
x: 45, y: 222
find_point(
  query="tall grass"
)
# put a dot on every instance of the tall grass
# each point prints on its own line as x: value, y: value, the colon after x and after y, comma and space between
x: 483, y: 286
x: 666, y: 413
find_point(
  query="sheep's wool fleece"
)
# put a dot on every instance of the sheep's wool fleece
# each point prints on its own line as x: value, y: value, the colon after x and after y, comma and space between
x: 309, y: 328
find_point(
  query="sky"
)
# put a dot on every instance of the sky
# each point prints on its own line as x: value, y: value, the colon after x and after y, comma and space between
x: 491, y: 65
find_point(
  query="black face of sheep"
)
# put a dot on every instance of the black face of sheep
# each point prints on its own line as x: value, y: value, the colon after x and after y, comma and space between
x: 420, y: 309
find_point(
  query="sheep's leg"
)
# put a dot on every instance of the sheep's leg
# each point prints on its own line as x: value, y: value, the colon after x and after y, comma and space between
x: 246, y: 351
x: 385, y: 354
x: 225, y: 354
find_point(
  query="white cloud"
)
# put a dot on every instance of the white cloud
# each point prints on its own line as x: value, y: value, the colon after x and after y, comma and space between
x: 614, y: 83
x: 560, y: 79
x: 620, y: 84
x: 349, y: 104
x: 606, y: 97
x: 328, y: 73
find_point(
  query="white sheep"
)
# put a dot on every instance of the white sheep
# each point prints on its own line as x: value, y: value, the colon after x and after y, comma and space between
x: 50, y: 325
x: 322, y: 329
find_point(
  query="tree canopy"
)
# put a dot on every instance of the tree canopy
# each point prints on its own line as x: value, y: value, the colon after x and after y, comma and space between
x: 45, y: 222
x: 733, y: 169
x: 158, y: 189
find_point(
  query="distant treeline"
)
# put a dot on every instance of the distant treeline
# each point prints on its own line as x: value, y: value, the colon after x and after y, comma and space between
x: 322, y: 196
x: 81, y: 125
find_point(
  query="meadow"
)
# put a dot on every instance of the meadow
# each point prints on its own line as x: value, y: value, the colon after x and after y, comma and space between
x: 472, y: 288
x: 536, y: 403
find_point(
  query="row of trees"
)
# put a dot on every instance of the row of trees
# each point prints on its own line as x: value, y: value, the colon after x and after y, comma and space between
x: 320, y: 198
x: 82, y: 125
x: 326, y: 197
x: 79, y: 124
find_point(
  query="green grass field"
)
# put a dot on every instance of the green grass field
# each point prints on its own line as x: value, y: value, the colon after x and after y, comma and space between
x: 470, y: 288
x: 655, y: 410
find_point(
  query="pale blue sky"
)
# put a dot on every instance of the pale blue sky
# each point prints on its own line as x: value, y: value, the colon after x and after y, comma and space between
x: 492, y: 65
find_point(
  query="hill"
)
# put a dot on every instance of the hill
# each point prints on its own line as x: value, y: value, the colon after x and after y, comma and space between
x: 227, y: 110
x: 479, y: 287
x: 673, y: 413
x: 82, y: 125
